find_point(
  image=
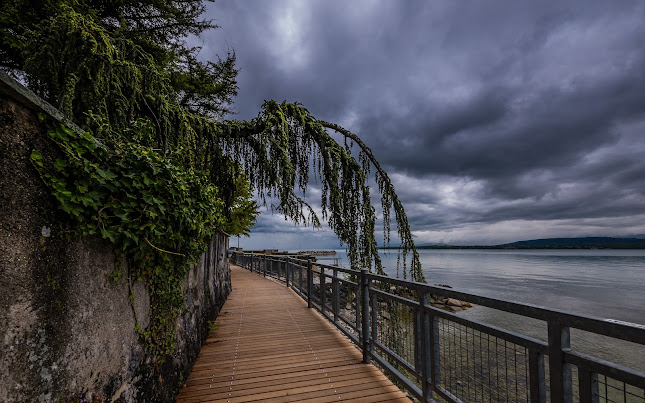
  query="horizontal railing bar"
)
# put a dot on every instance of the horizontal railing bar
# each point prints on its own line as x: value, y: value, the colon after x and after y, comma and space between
x: 340, y: 269
x: 349, y: 334
x: 400, y: 360
x: 331, y: 276
x: 516, y: 338
x: 342, y: 328
x: 295, y: 287
x: 327, y: 316
x: 610, y: 369
x: 411, y: 387
x: 324, y: 265
x: 295, y: 259
x: 327, y: 266
x: 395, y: 281
x: 396, y: 298
x: 443, y: 392
x: 315, y: 305
x: 298, y: 291
x: 620, y: 330
x: 346, y: 281
x: 330, y: 308
x: 348, y: 322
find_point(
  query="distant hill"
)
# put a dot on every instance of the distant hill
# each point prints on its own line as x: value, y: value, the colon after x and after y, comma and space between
x: 575, y: 243
x: 635, y: 242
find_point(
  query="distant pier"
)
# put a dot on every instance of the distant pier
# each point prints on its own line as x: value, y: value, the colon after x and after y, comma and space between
x: 317, y: 252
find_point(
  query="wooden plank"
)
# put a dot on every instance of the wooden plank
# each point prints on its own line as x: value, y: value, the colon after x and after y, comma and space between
x: 309, y: 384
x: 267, y: 379
x: 382, y: 397
x: 284, y: 369
x: 268, y: 346
x: 337, y: 393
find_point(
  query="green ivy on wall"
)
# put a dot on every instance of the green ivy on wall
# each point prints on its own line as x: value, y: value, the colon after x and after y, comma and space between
x: 158, y: 215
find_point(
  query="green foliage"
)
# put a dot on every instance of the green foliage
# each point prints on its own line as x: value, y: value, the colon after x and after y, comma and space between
x: 52, y: 41
x: 213, y: 326
x: 156, y: 213
x: 243, y: 211
x: 123, y: 71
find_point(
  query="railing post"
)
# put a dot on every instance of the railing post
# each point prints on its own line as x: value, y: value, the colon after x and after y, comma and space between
x: 286, y: 272
x: 425, y: 358
x: 365, y: 314
x: 537, y: 380
x: 280, y: 264
x: 435, y: 358
x: 559, y: 372
x: 416, y: 332
x: 310, y: 282
x: 588, y: 385
x: 300, y: 279
x: 357, y: 302
x: 336, y: 298
x: 323, y: 296
x: 264, y: 270
x: 374, y: 321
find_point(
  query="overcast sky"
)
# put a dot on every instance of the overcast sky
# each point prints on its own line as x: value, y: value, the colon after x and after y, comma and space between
x: 496, y: 120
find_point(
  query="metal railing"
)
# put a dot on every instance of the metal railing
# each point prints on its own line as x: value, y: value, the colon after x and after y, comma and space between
x: 433, y: 353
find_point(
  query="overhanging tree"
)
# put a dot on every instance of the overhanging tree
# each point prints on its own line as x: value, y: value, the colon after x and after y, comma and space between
x: 124, y: 71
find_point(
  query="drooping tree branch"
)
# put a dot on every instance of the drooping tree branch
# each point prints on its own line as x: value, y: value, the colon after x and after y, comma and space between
x: 277, y: 149
x: 390, y: 199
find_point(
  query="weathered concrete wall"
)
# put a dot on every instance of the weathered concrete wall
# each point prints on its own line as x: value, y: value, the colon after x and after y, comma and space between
x: 65, y: 328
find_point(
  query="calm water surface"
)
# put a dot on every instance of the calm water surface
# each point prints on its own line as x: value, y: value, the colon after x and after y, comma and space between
x: 601, y: 283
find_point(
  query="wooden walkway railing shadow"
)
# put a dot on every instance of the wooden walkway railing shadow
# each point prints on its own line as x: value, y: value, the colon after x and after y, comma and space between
x: 267, y: 346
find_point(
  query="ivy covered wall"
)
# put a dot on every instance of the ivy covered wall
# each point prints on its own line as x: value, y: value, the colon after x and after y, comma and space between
x: 67, y: 331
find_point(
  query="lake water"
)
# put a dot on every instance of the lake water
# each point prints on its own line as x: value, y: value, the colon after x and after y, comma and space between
x: 602, y: 283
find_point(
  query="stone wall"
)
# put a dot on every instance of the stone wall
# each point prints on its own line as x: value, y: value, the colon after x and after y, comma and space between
x: 66, y: 330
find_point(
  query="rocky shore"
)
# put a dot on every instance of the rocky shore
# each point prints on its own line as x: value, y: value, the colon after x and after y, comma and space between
x: 449, y: 304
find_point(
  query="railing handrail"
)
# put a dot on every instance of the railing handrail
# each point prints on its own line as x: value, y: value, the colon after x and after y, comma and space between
x: 561, y: 356
x: 627, y: 331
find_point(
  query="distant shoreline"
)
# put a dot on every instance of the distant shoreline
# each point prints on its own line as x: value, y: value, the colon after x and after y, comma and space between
x: 500, y: 247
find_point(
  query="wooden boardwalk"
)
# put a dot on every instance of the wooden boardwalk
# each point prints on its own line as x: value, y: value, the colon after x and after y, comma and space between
x: 267, y: 346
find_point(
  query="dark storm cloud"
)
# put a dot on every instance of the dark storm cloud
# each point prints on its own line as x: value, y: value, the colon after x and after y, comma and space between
x: 482, y: 112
